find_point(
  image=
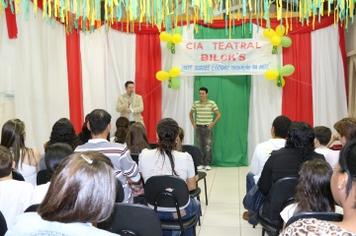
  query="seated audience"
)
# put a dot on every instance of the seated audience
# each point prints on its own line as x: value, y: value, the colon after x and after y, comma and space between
x: 81, y: 193
x: 122, y: 129
x: 322, y: 138
x: 55, y: 153
x: 343, y: 188
x: 180, y: 139
x: 287, y: 161
x: 313, y: 193
x: 345, y: 130
x: 85, y: 134
x: 137, y: 138
x: 126, y: 169
x: 26, y: 159
x: 15, y: 196
x: 164, y: 160
x: 279, y: 132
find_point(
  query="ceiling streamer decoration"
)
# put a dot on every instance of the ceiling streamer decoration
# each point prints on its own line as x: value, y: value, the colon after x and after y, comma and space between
x: 168, y: 14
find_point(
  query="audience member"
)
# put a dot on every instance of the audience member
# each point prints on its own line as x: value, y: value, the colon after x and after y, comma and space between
x: 26, y: 159
x: 63, y: 132
x: 287, y: 161
x: 313, y: 193
x: 180, y: 138
x: 55, y: 153
x: 81, y: 193
x: 122, y: 129
x: 279, y: 132
x: 126, y: 169
x: 321, y: 141
x: 84, y: 134
x: 137, y: 138
x: 346, y: 130
x: 166, y: 161
x: 343, y: 188
x: 15, y: 196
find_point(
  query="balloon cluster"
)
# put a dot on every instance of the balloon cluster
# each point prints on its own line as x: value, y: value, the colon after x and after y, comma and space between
x: 171, y: 39
x: 277, y: 38
x: 171, y: 76
x: 278, y: 75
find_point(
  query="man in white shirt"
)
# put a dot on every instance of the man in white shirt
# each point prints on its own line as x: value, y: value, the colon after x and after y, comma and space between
x: 279, y: 132
x: 15, y: 196
x: 321, y: 141
x: 129, y: 104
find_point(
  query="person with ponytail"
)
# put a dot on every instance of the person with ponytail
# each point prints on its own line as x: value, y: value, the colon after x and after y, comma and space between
x: 165, y: 160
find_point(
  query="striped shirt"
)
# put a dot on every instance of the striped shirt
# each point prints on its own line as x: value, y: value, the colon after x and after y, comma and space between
x: 120, y: 157
x: 204, y: 112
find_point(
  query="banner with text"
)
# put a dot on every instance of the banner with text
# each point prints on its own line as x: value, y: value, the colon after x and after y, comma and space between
x: 224, y: 57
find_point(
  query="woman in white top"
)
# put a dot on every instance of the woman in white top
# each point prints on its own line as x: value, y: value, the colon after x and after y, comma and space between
x: 164, y: 160
x: 343, y: 188
x: 82, y: 192
x: 26, y: 159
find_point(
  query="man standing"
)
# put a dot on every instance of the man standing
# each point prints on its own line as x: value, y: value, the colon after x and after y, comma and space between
x: 202, y: 118
x: 130, y: 105
x: 126, y: 169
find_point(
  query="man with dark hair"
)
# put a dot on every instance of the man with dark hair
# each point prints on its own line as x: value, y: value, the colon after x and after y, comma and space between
x: 15, y: 196
x: 125, y: 168
x: 279, y: 132
x: 321, y: 141
x: 202, y: 118
x: 129, y: 104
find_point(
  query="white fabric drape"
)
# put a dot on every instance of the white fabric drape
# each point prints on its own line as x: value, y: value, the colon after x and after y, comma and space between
x: 108, y: 61
x: 352, y: 86
x: 176, y: 104
x: 36, y: 67
x: 265, y: 105
x: 329, y: 92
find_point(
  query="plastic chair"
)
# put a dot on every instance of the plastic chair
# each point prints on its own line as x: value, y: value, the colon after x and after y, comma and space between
x: 172, y: 192
x: 43, y: 177
x: 327, y: 216
x: 17, y: 176
x: 282, y: 192
x: 3, y: 225
x: 132, y: 219
x: 197, y: 155
x: 120, y: 194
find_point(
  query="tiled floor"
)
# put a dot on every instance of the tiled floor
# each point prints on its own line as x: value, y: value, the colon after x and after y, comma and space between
x: 226, y: 189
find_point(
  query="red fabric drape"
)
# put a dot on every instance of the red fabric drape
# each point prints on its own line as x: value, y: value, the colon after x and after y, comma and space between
x: 148, y: 62
x: 342, y: 42
x: 74, y: 79
x: 11, y: 22
x: 297, y: 100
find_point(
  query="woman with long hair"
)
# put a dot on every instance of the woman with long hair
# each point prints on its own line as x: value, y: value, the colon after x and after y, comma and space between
x: 81, y: 193
x: 137, y: 138
x: 26, y: 159
x: 122, y: 129
x: 165, y: 160
x: 63, y: 132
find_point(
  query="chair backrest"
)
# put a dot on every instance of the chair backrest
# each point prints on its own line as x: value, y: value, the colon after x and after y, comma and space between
x: 3, y: 225
x: 17, y: 176
x: 134, y: 157
x: 133, y: 219
x: 120, y: 194
x: 196, y: 154
x: 327, y: 216
x: 32, y: 208
x: 43, y: 177
x: 166, y: 191
x: 282, y: 191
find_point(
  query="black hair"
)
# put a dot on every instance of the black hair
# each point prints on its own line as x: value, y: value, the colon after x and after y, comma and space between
x: 281, y: 125
x: 322, y: 134
x: 204, y: 89
x: 122, y: 128
x: 63, y: 132
x: 167, y: 131
x: 55, y: 153
x: 347, y: 162
x: 99, y: 120
x: 85, y: 134
x: 301, y: 136
x: 128, y: 83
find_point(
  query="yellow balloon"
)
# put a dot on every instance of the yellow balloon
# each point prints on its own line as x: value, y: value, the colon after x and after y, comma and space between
x: 271, y: 74
x: 164, y: 36
x: 176, y: 38
x: 283, y: 82
x: 162, y: 75
x: 276, y: 40
x: 174, y: 72
x: 280, y: 30
x: 269, y: 33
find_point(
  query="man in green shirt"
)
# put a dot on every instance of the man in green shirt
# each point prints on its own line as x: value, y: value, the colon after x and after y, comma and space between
x: 203, y: 120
